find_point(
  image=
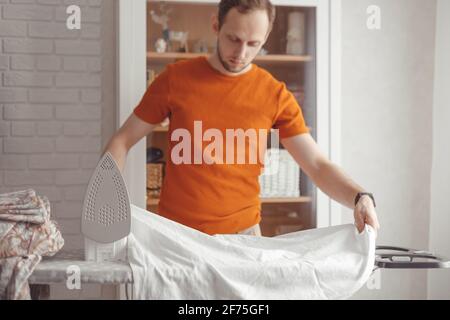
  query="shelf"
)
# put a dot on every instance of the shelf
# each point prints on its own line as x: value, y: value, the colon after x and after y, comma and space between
x: 153, y: 202
x: 282, y: 58
x: 167, y: 57
x: 286, y: 200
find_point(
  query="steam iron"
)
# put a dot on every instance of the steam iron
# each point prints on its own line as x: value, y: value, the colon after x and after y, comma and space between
x: 106, y: 214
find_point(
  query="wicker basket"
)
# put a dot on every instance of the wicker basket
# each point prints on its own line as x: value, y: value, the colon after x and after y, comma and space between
x: 155, y: 174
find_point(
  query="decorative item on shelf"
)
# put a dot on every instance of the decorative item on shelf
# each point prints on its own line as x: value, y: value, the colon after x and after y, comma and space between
x: 160, y: 45
x: 169, y: 37
x: 281, y: 175
x: 163, y: 20
x: 296, y: 34
x: 201, y: 46
x: 182, y: 38
x: 155, y: 175
x: 154, y: 155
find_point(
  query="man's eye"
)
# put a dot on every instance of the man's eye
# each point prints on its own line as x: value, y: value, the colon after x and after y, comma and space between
x: 253, y: 44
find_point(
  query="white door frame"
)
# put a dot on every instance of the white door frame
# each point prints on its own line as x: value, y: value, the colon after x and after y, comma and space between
x: 323, y: 101
x: 131, y: 85
x: 335, y: 98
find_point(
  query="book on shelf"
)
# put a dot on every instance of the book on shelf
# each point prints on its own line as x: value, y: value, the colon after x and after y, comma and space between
x: 281, y: 175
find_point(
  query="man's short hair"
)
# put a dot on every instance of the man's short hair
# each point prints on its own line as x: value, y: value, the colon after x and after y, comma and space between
x: 245, y: 6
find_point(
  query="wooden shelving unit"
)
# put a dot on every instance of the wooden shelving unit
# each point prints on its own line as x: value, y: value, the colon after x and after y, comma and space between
x: 286, y: 200
x: 162, y: 58
x: 299, y: 71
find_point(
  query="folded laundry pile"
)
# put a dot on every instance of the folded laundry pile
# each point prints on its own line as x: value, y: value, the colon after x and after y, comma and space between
x: 26, y: 234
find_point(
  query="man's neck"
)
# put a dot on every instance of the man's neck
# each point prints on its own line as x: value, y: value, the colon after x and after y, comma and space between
x: 214, y: 61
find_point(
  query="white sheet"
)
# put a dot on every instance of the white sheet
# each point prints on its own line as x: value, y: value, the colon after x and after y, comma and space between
x: 172, y: 261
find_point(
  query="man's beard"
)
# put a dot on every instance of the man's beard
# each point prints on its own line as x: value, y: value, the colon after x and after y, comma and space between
x: 226, y: 65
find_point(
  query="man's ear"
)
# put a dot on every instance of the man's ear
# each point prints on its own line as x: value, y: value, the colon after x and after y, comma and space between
x: 215, y: 23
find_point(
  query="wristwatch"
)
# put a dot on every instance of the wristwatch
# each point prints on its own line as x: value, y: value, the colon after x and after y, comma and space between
x: 360, y: 194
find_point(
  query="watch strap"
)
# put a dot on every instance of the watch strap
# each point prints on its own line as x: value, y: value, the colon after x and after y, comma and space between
x: 360, y: 194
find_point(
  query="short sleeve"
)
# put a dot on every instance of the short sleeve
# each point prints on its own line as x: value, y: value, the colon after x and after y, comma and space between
x: 289, y: 118
x: 154, y: 105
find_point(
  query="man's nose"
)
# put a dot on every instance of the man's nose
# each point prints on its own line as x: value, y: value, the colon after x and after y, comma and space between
x: 242, y: 51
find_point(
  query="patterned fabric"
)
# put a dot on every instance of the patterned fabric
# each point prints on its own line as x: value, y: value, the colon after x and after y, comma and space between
x: 24, y: 206
x: 26, y: 234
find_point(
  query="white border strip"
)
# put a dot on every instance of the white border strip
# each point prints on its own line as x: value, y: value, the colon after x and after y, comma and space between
x: 335, y: 95
x: 131, y: 79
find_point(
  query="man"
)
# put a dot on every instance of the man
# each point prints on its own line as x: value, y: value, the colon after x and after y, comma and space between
x: 222, y: 92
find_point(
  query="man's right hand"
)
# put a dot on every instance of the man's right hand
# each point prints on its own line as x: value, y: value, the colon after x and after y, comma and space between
x: 133, y: 130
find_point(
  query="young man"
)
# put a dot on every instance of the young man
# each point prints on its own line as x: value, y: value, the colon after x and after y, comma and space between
x: 226, y: 91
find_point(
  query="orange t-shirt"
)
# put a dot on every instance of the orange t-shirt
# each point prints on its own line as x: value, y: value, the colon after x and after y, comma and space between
x: 218, y: 197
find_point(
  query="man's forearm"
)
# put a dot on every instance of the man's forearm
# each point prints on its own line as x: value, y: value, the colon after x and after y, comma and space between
x: 337, y: 185
x: 119, y: 152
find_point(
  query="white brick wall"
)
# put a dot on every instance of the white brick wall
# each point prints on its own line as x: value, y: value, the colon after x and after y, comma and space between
x: 51, y: 108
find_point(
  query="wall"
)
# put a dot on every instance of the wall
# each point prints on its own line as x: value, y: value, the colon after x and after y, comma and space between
x: 387, y: 107
x: 439, y: 280
x: 57, y: 105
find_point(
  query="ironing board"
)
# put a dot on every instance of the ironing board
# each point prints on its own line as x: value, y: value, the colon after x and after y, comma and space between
x: 52, y: 270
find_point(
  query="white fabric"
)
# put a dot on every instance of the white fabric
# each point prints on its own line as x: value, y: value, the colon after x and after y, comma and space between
x: 172, y: 261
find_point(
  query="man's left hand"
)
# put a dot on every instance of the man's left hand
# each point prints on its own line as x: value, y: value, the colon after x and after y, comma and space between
x: 365, y: 213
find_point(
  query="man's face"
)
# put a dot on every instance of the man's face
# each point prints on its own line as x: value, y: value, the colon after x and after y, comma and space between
x: 240, y: 38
